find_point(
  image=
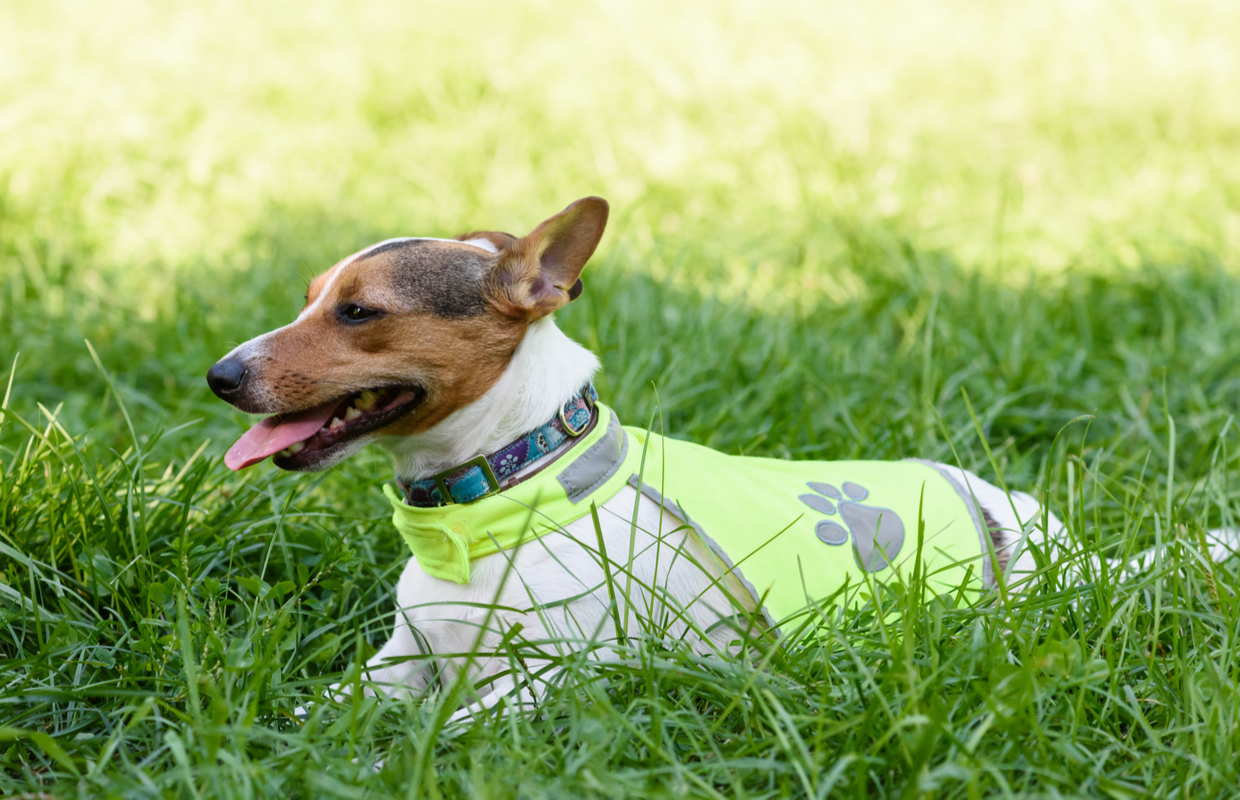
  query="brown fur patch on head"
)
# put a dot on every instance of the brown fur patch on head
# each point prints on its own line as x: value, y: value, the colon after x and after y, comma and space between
x: 316, y: 285
x: 442, y: 278
x: 427, y: 324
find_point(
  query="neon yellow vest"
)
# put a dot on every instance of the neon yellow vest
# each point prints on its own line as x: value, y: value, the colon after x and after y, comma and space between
x: 793, y: 532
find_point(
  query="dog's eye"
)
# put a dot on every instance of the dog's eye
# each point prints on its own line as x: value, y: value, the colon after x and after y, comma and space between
x: 355, y: 313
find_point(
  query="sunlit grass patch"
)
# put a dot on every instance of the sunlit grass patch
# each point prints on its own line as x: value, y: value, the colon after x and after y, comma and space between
x: 1040, y: 136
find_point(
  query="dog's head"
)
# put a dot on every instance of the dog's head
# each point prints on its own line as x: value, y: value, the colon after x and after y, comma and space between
x: 398, y: 336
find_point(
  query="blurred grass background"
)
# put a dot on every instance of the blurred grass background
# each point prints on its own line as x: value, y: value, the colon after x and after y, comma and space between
x: 745, y: 147
x: 824, y: 215
x: 170, y: 176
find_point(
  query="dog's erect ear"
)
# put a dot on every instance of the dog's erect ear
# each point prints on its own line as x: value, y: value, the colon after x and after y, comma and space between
x: 541, y: 272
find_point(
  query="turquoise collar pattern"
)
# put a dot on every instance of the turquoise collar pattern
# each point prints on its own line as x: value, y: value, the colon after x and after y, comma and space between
x: 481, y: 476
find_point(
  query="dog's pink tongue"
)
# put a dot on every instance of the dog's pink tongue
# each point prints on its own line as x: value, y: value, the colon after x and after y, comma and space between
x: 269, y: 436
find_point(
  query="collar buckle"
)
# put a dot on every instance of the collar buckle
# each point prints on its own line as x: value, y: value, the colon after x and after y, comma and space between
x: 477, y: 461
x: 587, y: 396
x: 573, y: 433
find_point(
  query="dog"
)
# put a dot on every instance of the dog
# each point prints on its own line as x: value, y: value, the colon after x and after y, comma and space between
x: 444, y: 353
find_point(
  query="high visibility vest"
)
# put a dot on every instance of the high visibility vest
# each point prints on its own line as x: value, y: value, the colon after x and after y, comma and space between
x: 793, y: 532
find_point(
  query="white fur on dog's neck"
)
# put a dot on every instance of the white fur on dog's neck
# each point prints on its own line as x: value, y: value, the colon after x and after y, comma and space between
x: 547, y: 368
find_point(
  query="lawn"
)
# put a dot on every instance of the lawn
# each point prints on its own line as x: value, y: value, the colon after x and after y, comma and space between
x: 1000, y: 235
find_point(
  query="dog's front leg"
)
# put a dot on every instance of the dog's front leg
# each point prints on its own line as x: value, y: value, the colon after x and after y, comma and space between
x: 502, y: 691
x: 402, y: 665
x: 438, y: 625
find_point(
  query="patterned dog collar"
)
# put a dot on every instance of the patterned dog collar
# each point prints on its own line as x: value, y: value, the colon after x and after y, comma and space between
x: 482, y: 476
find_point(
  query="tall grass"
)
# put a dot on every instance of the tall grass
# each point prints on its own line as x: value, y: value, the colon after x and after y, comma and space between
x: 831, y: 223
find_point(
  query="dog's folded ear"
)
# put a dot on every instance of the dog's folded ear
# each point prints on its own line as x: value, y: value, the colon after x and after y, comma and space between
x: 541, y: 272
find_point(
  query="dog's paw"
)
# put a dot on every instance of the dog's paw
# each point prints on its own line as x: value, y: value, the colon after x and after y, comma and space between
x: 337, y: 692
x: 877, y: 533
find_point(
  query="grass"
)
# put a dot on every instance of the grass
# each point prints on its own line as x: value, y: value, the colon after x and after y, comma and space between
x: 830, y: 225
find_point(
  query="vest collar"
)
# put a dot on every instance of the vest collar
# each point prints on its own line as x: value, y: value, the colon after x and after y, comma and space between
x: 446, y: 539
x: 485, y: 475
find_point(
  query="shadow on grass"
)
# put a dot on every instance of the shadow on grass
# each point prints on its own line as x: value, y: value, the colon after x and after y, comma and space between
x: 162, y: 617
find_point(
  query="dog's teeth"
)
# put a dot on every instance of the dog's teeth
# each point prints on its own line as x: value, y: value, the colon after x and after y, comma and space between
x: 366, y: 400
x: 335, y: 423
x: 285, y: 453
x: 294, y: 449
x: 351, y: 414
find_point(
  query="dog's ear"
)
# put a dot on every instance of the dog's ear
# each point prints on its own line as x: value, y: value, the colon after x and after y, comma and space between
x: 541, y: 272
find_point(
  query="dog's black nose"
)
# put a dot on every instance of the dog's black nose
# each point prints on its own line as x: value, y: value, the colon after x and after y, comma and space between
x: 225, y: 377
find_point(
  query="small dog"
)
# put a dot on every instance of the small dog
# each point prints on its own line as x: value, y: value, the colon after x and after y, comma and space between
x: 443, y: 352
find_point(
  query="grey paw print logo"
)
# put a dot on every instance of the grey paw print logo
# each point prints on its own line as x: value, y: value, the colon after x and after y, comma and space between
x: 873, y: 552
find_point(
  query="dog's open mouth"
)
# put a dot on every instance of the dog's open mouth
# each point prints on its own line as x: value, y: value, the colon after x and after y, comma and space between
x: 305, y: 438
